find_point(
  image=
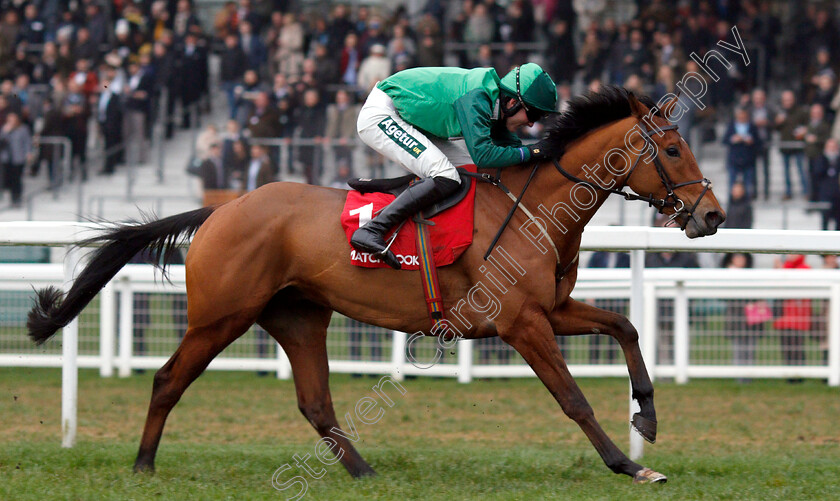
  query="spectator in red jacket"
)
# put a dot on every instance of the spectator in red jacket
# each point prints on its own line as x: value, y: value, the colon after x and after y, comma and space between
x: 795, y: 322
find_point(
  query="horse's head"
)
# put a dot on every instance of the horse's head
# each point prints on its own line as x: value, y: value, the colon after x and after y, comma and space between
x: 667, y: 170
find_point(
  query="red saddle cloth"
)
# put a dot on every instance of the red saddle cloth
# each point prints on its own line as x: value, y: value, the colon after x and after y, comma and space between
x: 450, y: 236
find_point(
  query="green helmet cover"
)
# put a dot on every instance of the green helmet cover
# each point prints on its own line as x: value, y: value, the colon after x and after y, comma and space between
x: 535, y: 86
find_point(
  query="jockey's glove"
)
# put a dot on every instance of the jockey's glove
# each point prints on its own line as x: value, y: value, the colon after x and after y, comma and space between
x: 539, y: 150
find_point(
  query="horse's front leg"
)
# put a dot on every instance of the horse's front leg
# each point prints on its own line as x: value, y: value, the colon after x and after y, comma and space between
x: 576, y: 318
x: 533, y: 337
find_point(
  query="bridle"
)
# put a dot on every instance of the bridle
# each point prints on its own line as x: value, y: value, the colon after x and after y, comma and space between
x: 671, y: 199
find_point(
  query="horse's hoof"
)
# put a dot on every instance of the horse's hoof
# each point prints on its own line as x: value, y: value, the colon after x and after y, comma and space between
x: 144, y: 468
x: 648, y: 476
x: 367, y: 471
x: 646, y: 427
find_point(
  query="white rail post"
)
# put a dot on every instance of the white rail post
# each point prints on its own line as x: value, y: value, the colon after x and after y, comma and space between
x: 681, y: 329
x: 650, y: 334
x: 637, y: 292
x: 284, y: 368
x: 69, y: 362
x: 126, y: 333
x: 465, y: 354
x: 107, y: 329
x: 398, y: 355
x: 834, y: 336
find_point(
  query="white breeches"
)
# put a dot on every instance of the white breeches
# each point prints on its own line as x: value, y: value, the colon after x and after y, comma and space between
x: 382, y: 128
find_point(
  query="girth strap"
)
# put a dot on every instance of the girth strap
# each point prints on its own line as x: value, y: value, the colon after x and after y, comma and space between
x: 428, y: 273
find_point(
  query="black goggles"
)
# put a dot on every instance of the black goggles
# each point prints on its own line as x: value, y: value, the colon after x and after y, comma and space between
x: 534, y: 115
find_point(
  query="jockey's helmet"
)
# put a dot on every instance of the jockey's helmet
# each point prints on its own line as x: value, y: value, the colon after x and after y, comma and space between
x: 532, y: 87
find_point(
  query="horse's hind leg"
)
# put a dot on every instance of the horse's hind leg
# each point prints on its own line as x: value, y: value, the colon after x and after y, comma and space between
x: 199, y: 346
x: 300, y: 327
x: 575, y: 318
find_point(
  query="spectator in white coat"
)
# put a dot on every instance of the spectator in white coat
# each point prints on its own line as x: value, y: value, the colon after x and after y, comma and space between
x: 374, y: 68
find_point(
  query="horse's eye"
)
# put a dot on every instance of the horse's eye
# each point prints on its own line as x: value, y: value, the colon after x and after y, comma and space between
x: 673, y: 151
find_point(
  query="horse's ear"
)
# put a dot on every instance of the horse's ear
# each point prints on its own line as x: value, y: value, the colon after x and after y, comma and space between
x: 637, y: 109
x: 667, y: 107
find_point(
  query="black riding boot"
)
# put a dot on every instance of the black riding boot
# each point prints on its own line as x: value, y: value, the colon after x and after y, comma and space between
x: 371, y: 237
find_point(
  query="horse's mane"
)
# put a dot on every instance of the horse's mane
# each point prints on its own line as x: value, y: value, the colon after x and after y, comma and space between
x: 587, y: 112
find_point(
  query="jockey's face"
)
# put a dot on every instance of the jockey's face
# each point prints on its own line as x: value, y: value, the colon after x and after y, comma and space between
x: 518, y: 119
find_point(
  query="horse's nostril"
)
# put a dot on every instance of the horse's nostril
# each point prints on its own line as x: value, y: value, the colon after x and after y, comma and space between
x: 714, y: 218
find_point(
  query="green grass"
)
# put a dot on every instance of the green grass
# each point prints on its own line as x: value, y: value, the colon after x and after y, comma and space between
x: 487, y: 440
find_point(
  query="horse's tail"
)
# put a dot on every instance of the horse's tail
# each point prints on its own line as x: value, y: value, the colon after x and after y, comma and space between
x: 53, y: 310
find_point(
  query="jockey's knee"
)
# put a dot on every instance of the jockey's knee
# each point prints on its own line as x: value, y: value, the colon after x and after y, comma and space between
x: 445, y: 186
x: 439, y: 167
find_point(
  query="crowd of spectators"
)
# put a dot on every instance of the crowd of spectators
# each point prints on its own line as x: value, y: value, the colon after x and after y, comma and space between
x: 290, y: 72
x: 65, y: 66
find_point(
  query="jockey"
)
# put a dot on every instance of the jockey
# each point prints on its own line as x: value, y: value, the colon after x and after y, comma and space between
x: 430, y: 119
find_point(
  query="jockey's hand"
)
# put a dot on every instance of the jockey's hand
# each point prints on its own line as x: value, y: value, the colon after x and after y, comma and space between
x: 539, y: 150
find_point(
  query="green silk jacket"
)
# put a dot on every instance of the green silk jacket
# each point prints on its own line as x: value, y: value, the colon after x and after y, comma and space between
x: 456, y: 102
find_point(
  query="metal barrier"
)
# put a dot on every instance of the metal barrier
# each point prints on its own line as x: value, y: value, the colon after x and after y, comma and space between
x: 96, y: 204
x: 324, y: 162
x: 62, y: 158
x: 61, y: 168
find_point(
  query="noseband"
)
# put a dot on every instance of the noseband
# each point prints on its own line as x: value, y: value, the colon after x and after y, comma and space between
x: 671, y: 199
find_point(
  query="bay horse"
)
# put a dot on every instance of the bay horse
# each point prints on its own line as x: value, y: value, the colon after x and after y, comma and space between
x: 278, y: 257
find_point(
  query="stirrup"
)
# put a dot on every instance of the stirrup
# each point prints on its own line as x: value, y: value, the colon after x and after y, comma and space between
x: 393, y: 238
x: 388, y: 257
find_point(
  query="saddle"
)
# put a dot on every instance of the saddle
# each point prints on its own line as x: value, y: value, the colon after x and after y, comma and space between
x: 397, y: 185
x: 435, y: 237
